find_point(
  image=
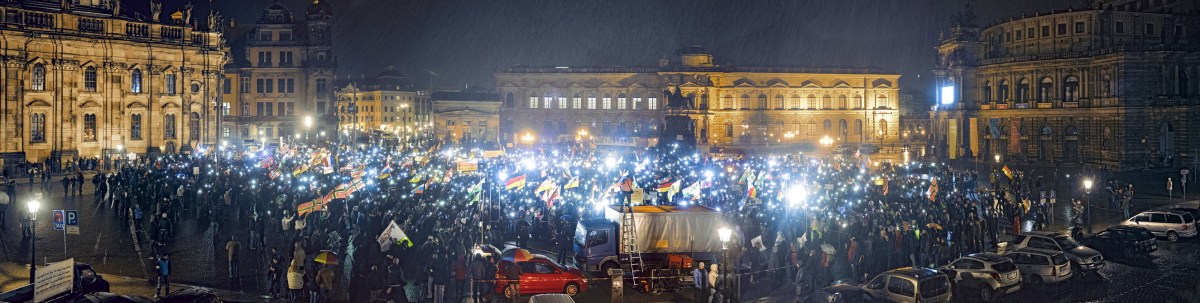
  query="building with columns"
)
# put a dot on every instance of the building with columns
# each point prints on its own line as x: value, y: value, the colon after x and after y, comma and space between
x: 282, y: 72
x: 469, y: 117
x: 1103, y: 87
x: 752, y: 109
x: 82, y: 79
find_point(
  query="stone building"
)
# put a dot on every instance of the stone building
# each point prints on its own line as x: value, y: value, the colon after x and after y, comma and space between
x: 469, y: 117
x: 282, y: 71
x: 386, y: 104
x: 742, y: 108
x: 1103, y: 87
x: 84, y: 79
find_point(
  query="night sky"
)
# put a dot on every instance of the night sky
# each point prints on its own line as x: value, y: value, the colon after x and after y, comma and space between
x: 464, y: 41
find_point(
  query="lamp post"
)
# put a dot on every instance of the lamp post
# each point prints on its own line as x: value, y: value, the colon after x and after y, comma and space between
x: 1087, y: 189
x: 308, y: 122
x: 724, y: 233
x: 34, y: 204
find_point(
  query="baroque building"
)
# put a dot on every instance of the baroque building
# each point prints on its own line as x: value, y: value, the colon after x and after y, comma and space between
x: 469, y: 117
x: 751, y: 109
x: 387, y: 104
x: 282, y: 72
x: 1114, y: 86
x: 82, y: 79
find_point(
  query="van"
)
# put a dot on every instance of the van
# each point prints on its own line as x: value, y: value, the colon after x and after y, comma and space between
x: 1172, y: 224
x: 1038, y: 266
x: 910, y: 285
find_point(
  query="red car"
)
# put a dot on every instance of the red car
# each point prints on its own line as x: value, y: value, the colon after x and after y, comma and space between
x: 539, y: 275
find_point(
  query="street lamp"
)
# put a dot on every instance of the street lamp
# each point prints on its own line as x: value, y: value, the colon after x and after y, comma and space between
x: 308, y: 122
x: 724, y: 233
x: 1087, y: 187
x: 33, y: 208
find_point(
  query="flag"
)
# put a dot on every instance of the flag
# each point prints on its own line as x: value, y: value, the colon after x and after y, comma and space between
x: 517, y: 182
x: 274, y: 174
x: 341, y: 191
x: 665, y: 185
x: 673, y: 190
x: 753, y: 192
x: 747, y: 175
x: 357, y: 185
x: 267, y: 162
x: 300, y: 169
x: 308, y: 207
x: 546, y: 185
x: 474, y: 191
x: 392, y: 234
x: 419, y: 190
x: 692, y: 191
x: 885, y: 187
x: 1007, y: 172
x: 415, y: 179
x: 572, y: 184
x: 933, y: 190
x: 549, y: 196
x: 386, y: 172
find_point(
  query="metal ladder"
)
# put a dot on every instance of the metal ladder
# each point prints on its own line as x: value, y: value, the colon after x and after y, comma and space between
x: 630, y: 255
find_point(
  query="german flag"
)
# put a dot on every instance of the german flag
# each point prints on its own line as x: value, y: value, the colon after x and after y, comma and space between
x: 665, y: 185
x: 517, y: 182
x: 1007, y: 172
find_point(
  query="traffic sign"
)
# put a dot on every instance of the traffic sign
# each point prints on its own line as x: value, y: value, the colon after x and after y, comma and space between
x: 59, y: 219
x: 72, y: 222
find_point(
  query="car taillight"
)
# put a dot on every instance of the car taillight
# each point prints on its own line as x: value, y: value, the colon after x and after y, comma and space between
x: 996, y: 276
x: 1185, y: 227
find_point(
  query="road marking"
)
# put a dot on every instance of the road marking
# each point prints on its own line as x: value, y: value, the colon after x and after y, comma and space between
x: 138, y: 247
x: 97, y: 247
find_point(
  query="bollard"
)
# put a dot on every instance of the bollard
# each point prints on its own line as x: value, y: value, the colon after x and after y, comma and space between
x: 618, y: 287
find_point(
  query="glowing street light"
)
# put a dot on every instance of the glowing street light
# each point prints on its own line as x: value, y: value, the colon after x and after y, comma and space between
x: 997, y: 157
x: 826, y: 141
x: 797, y: 195
x: 1087, y: 189
x: 33, y: 205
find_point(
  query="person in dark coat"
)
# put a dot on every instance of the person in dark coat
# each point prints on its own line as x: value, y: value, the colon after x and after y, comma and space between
x: 512, y: 273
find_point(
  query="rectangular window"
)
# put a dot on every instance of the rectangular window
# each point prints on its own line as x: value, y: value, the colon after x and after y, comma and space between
x: 291, y: 85
x: 169, y: 127
x: 607, y: 102
x: 259, y: 109
x: 89, y: 80
x: 1119, y: 28
x: 562, y: 102
x: 282, y: 85
x: 1062, y: 29
x: 270, y: 86
x: 270, y: 108
x: 652, y: 103
x: 282, y: 108
x: 260, y: 87
x: 1079, y: 27
x: 533, y: 102
x: 1020, y: 34
x: 224, y: 108
x: 1008, y: 37
x: 321, y: 86
x: 245, y: 131
x: 285, y: 36
x: 1149, y: 29
x: 591, y: 103
x: 1045, y: 31
x: 135, y: 127
x: 320, y: 108
x: 225, y: 86
x: 1029, y: 33
x: 245, y: 108
x: 37, y: 128
x: 170, y: 83
x: 291, y: 108
x: 89, y: 127
x: 637, y: 102
x: 264, y: 36
x: 245, y: 85
x: 576, y: 103
x: 621, y: 103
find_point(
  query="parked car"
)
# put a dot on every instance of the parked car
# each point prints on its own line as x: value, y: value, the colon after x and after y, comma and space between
x: 839, y: 293
x: 1083, y: 258
x: 191, y: 295
x: 910, y: 285
x: 1038, y: 266
x: 1194, y: 211
x: 551, y: 298
x: 1165, y: 223
x: 1128, y: 241
x: 540, y: 275
x: 993, y: 274
x: 102, y: 297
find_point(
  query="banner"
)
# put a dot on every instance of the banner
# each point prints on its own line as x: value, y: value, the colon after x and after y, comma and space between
x: 392, y: 234
x: 467, y: 166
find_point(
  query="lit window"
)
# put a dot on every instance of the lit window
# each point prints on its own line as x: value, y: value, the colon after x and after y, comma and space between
x: 135, y: 83
x: 38, y: 82
x: 652, y: 103
x: 37, y: 128
x: 89, y: 79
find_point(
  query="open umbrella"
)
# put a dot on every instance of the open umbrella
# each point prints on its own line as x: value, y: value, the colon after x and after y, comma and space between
x: 489, y: 250
x: 934, y: 225
x: 828, y: 249
x: 326, y: 257
x: 516, y: 255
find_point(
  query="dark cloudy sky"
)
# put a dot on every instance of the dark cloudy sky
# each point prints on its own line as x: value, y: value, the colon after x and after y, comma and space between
x: 464, y: 41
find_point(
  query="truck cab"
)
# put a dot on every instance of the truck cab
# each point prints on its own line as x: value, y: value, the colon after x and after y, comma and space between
x: 596, y: 244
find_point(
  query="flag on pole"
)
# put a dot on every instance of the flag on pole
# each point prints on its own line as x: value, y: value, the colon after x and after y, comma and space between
x: 300, y: 169
x: 274, y: 174
x: 415, y: 179
x: 392, y: 235
x: 665, y: 185
x: 572, y: 184
x: 546, y: 185
x: 933, y: 190
x: 549, y: 196
x: 692, y: 191
x: 517, y: 182
x: 674, y: 189
x: 420, y: 189
x: 267, y: 162
x: 1007, y: 172
x: 386, y: 172
x: 753, y: 192
x: 474, y: 191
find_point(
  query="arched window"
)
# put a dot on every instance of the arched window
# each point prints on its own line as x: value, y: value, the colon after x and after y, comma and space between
x: 793, y: 102
x: 135, y: 81
x: 883, y: 127
x: 778, y: 102
x: 562, y: 101
x: 812, y: 102
x: 169, y: 126
x: 843, y: 128
x: 1003, y: 91
x: 1106, y: 86
x: 1023, y: 91
x: 89, y: 79
x: 194, y: 126
x: 858, y: 126
x: 1045, y: 89
x: 842, y: 103
x: 37, y: 128
x: 89, y: 127
x: 637, y: 102
x: 622, y: 102
x: 509, y: 100
x: 38, y: 79
x: 704, y: 101
x: 728, y: 129
x: 744, y: 102
x: 858, y: 101
x: 169, y: 80
x: 591, y: 101
x: 576, y: 102
x: 726, y: 102
x: 881, y: 101
x: 607, y: 101
x: 828, y: 126
x: 1070, y: 91
x: 762, y: 101
x: 987, y: 91
x: 548, y: 101
x: 826, y: 102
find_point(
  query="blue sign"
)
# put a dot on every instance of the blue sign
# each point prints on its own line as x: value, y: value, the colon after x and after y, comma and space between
x: 72, y: 218
x: 59, y: 219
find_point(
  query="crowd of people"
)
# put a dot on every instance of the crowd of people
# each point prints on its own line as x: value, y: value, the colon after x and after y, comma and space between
x: 801, y: 220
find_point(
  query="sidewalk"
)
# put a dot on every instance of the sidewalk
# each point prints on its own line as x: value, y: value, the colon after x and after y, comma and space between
x: 14, y: 275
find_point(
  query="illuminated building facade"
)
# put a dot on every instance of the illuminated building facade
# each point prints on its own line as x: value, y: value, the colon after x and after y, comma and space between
x: 468, y: 117
x: 84, y: 79
x: 742, y: 108
x: 1104, y: 87
x: 386, y: 104
x: 282, y: 71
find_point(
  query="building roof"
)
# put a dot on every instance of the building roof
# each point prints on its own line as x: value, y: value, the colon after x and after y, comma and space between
x: 478, y: 96
x: 714, y: 69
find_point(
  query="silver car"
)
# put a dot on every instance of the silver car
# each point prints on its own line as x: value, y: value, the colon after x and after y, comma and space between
x: 1083, y: 259
x: 910, y: 285
x: 993, y: 274
x: 1041, y: 266
x: 1172, y: 224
